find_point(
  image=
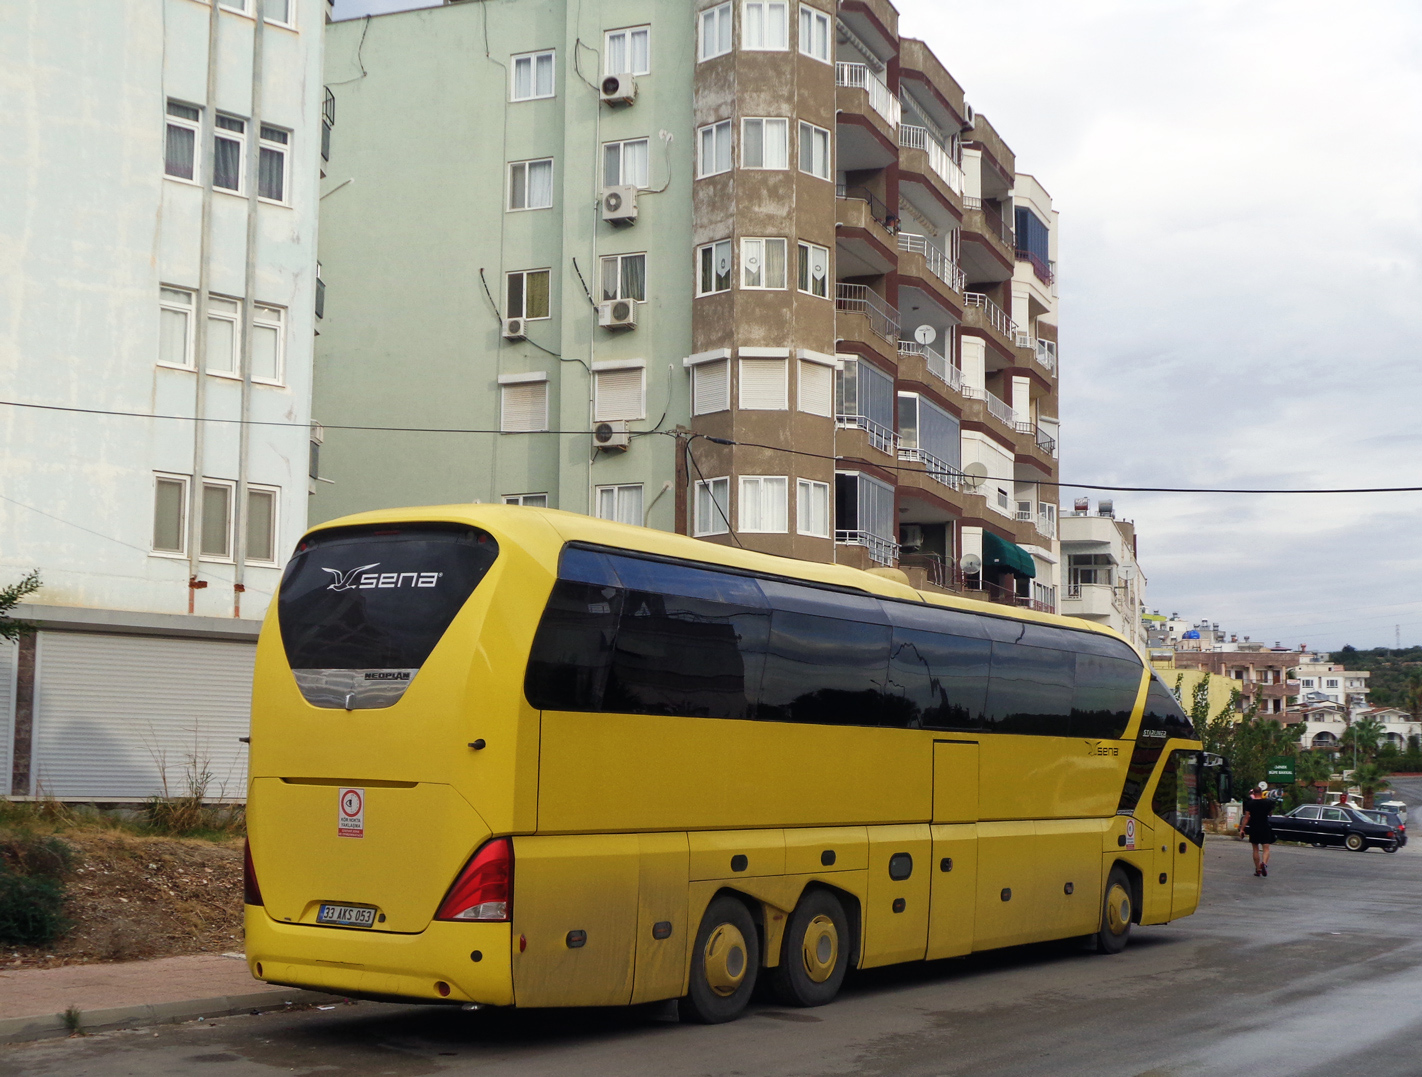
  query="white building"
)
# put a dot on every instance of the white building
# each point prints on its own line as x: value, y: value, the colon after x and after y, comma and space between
x: 157, y: 260
x: 1323, y: 681
x: 1103, y: 581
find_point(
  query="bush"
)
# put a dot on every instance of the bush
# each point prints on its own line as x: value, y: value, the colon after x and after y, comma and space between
x: 29, y: 855
x: 32, y: 873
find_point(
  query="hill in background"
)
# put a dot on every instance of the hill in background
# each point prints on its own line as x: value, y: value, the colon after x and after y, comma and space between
x: 1389, y: 667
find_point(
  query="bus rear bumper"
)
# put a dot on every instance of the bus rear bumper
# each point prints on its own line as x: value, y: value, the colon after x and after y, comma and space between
x: 436, y: 965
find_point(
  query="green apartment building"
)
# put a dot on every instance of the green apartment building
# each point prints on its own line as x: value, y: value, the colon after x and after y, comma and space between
x: 752, y: 271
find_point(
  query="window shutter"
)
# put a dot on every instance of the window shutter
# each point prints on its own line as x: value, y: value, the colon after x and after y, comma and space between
x: 618, y: 394
x: 711, y: 387
x: 763, y: 385
x: 816, y: 388
x: 525, y: 407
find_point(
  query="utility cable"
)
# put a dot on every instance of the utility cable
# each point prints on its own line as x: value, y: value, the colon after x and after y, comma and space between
x: 498, y: 316
x: 686, y: 449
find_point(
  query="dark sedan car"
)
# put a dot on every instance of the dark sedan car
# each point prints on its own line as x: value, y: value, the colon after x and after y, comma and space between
x: 1318, y: 824
x: 1388, y: 819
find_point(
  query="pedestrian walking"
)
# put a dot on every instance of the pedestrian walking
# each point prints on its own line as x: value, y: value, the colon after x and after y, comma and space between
x: 1255, y: 823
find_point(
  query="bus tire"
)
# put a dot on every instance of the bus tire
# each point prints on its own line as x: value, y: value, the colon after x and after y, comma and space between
x: 1116, y: 914
x: 815, y: 953
x: 725, y: 961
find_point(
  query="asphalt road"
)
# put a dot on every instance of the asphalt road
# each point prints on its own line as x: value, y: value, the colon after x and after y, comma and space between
x: 1316, y: 970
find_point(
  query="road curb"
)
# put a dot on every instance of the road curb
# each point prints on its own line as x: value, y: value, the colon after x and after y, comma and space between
x: 22, y: 1029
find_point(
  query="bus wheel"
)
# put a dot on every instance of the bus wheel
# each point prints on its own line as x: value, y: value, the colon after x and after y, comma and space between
x: 815, y: 954
x: 724, y: 964
x: 1115, y: 914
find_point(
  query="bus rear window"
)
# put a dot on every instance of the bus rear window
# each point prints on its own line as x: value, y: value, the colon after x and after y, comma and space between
x: 362, y: 608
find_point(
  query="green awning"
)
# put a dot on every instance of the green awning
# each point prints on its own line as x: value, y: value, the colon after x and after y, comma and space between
x: 1000, y: 554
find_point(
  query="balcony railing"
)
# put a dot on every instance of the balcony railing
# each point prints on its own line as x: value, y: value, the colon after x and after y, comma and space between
x: 1046, y: 526
x: 877, y: 209
x: 880, y: 436
x: 861, y: 299
x: 935, y: 468
x: 1045, y: 441
x: 881, y: 100
x: 997, y: 407
x: 882, y: 550
x: 996, y: 316
x: 948, y: 170
x: 996, y: 222
x: 1043, y: 269
x: 939, y: 264
x: 1047, y: 355
x: 938, y: 366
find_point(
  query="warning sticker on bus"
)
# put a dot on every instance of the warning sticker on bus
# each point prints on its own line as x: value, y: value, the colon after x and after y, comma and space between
x: 1130, y: 833
x: 350, y: 810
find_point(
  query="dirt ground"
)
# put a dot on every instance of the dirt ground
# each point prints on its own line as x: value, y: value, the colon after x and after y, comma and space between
x: 133, y: 897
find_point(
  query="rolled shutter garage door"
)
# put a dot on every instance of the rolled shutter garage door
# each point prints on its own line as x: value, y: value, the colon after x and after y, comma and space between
x: 8, y: 653
x: 115, y: 714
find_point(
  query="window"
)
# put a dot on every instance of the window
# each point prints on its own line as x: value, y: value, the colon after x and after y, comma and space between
x: 523, y: 406
x: 271, y: 165
x: 714, y: 155
x: 1331, y: 683
x: 765, y: 25
x: 765, y: 143
x: 814, y: 270
x: 531, y: 184
x: 1177, y: 799
x: 814, y: 33
x: 712, y: 507
x: 714, y: 264
x: 626, y: 52
x: 624, y: 276
x: 711, y: 387
x: 618, y: 394
x: 715, y: 31
x: 764, y: 385
x: 527, y: 294
x: 763, y: 504
x: 277, y: 11
x: 170, y: 523
x: 1308, y: 682
x: 175, y: 327
x: 261, y: 524
x: 216, y: 538
x: 862, y: 389
x: 227, y: 155
x: 620, y: 503
x: 814, y: 150
x: 864, y: 506
x: 267, y: 338
x: 625, y: 163
x: 532, y: 76
x: 528, y: 501
x: 812, y: 507
x: 180, y: 145
x: 223, y: 335
x: 762, y: 263
x: 815, y: 395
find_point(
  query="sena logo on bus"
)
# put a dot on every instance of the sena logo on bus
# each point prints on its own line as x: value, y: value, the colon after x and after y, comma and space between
x: 357, y: 579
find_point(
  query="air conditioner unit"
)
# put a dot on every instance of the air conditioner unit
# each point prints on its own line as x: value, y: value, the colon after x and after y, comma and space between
x: 617, y: 314
x: 970, y: 118
x: 614, y: 437
x: 911, y: 536
x: 619, y: 205
x: 514, y: 329
x: 618, y: 90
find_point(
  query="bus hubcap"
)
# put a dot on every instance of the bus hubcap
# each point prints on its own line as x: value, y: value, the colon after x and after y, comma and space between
x: 725, y: 959
x: 820, y: 949
x: 1118, y: 909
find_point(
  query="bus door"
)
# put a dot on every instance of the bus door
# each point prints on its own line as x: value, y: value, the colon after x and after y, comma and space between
x: 1177, y: 803
x: 955, y: 848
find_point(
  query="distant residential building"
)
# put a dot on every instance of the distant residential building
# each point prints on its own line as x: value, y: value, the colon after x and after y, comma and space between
x: 160, y: 261
x: 1322, y: 680
x: 1103, y: 580
x: 1322, y: 725
x: 1262, y: 674
x: 749, y: 272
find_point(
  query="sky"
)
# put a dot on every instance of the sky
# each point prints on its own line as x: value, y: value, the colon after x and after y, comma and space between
x: 1240, y: 189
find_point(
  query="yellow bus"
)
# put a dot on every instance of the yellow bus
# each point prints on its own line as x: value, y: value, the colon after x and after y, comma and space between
x: 519, y: 757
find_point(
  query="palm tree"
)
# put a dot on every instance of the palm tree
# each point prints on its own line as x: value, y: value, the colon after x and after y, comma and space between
x: 1312, y: 768
x: 1364, y: 735
x: 1369, y: 779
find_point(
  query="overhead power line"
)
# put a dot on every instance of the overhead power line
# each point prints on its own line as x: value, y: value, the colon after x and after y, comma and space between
x: 719, y: 441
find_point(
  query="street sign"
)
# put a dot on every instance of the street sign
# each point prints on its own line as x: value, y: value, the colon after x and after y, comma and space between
x: 1281, y: 769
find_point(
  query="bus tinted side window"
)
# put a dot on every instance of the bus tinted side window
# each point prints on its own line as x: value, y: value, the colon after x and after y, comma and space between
x: 1163, y: 714
x: 1105, y: 695
x: 1177, y: 795
x: 572, y: 652
x: 941, y: 680
x: 1030, y: 690
x: 824, y: 670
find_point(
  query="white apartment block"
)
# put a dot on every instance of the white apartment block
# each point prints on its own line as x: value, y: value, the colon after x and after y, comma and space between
x: 157, y: 288
x: 1102, y: 580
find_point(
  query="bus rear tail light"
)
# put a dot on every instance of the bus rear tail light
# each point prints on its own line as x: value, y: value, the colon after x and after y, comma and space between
x: 251, y: 892
x: 484, y: 889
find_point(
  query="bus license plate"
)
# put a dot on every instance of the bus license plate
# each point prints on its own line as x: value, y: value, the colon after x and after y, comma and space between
x: 346, y: 915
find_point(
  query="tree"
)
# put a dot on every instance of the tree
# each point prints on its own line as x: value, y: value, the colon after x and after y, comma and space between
x: 1311, y: 769
x: 10, y: 596
x: 1362, y: 737
x: 1369, y: 779
x: 1412, y: 688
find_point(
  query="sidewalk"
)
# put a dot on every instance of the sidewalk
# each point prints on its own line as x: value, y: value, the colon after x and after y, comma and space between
x: 33, y: 1002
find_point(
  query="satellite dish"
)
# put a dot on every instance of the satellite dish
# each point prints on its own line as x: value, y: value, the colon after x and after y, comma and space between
x: 971, y: 563
x: 974, y: 475
x: 1126, y: 572
x: 925, y: 334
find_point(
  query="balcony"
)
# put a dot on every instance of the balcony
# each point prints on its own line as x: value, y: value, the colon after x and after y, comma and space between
x: 881, y: 550
x: 1044, y: 525
x: 1046, y: 355
x: 944, y: 474
x: 1044, y: 441
x: 937, y: 365
x: 997, y: 224
x: 880, y: 436
x: 939, y: 264
x: 939, y: 162
x: 1091, y: 600
x: 996, y: 406
x: 862, y: 300
x: 979, y: 309
x: 989, y: 246
x: 881, y: 99
x: 1045, y: 271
